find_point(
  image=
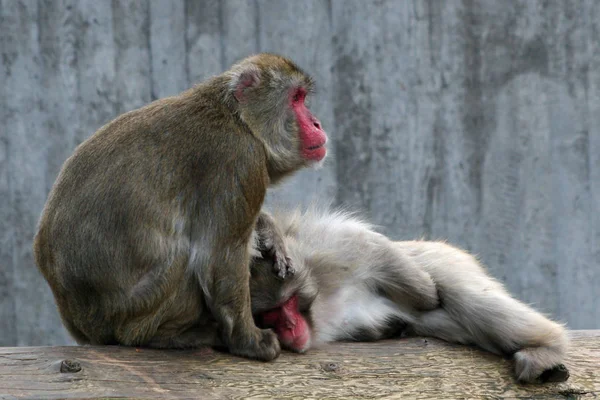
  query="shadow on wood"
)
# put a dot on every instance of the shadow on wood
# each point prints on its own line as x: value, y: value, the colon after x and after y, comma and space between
x: 406, y: 368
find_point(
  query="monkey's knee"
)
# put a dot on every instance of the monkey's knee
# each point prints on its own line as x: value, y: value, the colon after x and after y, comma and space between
x: 426, y: 295
x: 406, y: 282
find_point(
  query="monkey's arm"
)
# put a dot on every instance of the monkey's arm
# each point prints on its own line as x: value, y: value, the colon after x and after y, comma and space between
x: 272, y: 245
x: 221, y: 245
x: 350, y: 245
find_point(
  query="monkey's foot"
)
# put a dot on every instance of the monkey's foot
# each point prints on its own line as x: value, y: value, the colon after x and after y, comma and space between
x: 558, y: 373
x: 532, y: 365
x: 260, y: 345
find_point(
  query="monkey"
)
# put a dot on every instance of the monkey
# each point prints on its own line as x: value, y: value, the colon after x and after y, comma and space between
x: 146, y: 235
x: 350, y: 285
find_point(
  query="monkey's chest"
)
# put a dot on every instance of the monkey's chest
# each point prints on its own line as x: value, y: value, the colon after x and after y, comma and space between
x: 355, y: 313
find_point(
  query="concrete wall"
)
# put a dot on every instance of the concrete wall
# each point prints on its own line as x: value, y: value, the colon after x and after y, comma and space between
x: 474, y: 121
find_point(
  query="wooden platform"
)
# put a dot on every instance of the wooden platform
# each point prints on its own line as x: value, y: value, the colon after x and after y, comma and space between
x: 403, y: 369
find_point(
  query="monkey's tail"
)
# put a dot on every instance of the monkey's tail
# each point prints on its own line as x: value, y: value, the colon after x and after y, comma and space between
x: 477, y: 309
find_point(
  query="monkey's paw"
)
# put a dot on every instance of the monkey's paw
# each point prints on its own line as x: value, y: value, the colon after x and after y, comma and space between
x: 558, y: 373
x: 275, y: 248
x: 282, y: 265
x: 259, y: 345
x: 531, y: 364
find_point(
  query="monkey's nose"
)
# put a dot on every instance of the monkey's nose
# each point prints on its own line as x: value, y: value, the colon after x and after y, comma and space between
x: 317, y: 125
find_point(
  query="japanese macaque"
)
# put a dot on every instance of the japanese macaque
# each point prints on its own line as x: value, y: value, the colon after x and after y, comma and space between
x: 352, y: 283
x: 146, y: 236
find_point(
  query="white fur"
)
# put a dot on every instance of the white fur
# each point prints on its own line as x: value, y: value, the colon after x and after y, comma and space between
x: 351, y: 262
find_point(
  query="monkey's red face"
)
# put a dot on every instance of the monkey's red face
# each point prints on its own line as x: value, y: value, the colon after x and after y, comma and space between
x: 289, y: 324
x: 312, y: 136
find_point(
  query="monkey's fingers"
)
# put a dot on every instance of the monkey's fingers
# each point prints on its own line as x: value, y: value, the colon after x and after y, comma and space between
x: 283, y: 266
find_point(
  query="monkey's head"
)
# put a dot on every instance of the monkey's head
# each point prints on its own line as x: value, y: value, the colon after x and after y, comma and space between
x: 284, y: 305
x: 271, y: 95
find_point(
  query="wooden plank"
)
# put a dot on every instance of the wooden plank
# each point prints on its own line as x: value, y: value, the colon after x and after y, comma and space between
x: 406, y: 368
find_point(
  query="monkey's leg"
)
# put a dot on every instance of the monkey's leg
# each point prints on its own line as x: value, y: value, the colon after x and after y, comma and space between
x: 195, y: 337
x: 438, y: 323
x: 228, y: 296
x: 272, y: 245
x: 399, y: 278
x: 491, y: 318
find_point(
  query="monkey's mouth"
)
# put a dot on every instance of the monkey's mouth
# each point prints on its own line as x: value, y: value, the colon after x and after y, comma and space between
x: 316, y: 152
x: 289, y: 324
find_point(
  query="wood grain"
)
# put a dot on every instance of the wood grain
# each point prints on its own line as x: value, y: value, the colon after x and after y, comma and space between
x: 414, y: 368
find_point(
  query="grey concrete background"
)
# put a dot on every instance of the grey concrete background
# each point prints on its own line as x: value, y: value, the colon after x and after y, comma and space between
x: 472, y: 121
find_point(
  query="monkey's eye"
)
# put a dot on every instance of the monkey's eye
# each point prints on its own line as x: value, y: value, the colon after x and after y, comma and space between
x: 299, y: 95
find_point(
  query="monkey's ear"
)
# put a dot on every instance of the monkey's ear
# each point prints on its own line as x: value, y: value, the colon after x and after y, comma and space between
x: 246, y: 80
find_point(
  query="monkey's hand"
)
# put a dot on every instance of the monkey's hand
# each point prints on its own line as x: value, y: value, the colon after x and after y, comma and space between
x: 272, y: 246
x: 282, y: 264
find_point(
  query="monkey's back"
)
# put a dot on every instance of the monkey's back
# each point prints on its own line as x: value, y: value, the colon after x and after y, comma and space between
x: 114, y: 237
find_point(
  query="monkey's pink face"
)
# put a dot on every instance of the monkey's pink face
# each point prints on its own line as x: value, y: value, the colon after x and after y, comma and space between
x: 289, y: 324
x: 312, y: 136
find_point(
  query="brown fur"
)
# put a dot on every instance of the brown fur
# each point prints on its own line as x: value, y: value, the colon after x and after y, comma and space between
x: 146, y: 234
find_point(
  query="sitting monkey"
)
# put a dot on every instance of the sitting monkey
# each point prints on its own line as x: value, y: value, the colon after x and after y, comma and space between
x: 352, y: 283
x: 145, y: 238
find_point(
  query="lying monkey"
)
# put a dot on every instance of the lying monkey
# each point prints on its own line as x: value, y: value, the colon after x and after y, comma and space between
x: 352, y: 283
